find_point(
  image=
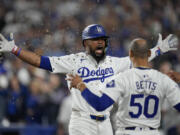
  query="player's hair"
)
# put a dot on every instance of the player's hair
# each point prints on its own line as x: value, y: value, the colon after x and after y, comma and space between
x: 139, y: 48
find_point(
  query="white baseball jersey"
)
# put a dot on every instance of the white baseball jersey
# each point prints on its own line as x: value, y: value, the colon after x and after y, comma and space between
x: 92, y: 73
x: 140, y: 93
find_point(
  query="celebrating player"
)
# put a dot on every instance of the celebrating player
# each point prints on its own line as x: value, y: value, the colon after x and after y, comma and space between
x: 139, y: 92
x: 93, y: 66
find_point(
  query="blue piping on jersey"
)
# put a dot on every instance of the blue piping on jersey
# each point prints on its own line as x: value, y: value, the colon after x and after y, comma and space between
x: 143, y: 68
x: 45, y: 63
x: 98, y: 103
x: 98, y: 78
x: 177, y: 107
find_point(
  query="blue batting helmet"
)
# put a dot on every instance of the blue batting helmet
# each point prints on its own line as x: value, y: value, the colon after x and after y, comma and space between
x: 94, y: 31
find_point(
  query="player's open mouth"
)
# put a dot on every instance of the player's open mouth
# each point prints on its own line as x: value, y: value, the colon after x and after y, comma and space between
x: 99, y: 50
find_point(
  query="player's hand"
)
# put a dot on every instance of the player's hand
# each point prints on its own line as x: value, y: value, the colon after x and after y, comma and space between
x: 76, y: 82
x: 5, y: 45
x: 174, y: 76
x: 170, y: 43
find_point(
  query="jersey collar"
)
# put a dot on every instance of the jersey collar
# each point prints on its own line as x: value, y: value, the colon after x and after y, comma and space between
x: 143, y: 68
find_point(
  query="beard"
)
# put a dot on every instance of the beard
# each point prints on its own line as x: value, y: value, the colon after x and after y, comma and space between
x: 97, y: 56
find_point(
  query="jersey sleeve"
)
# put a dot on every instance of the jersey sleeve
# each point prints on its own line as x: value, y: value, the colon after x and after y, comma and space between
x: 172, y: 91
x: 63, y: 64
x: 114, y: 88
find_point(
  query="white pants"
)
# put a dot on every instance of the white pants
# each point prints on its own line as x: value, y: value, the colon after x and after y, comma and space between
x: 84, y: 125
x: 137, y: 132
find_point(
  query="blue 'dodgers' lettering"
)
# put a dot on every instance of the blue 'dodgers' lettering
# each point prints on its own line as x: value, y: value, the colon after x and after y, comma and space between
x: 99, y: 74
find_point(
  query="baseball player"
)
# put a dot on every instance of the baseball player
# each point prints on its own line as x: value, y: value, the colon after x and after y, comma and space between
x: 93, y: 66
x: 139, y: 92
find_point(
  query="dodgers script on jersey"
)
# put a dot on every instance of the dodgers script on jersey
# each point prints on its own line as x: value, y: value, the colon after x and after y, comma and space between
x: 93, y: 74
x: 140, y: 93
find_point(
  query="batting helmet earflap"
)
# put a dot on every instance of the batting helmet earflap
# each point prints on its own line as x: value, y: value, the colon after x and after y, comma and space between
x: 93, y: 31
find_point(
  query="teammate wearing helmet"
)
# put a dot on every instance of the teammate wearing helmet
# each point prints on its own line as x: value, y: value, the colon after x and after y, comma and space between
x: 93, y: 66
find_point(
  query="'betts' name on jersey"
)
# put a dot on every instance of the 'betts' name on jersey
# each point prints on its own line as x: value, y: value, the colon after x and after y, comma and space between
x: 143, y: 84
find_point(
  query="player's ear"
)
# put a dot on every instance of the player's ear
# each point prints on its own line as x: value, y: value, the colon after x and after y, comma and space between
x: 131, y: 54
x: 86, y: 43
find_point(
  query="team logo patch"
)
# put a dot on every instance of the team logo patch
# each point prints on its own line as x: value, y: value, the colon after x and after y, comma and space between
x: 82, y: 60
x: 145, y: 76
x: 111, y: 84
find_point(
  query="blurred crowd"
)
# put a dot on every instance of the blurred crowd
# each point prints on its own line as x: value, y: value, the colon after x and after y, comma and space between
x: 53, y: 28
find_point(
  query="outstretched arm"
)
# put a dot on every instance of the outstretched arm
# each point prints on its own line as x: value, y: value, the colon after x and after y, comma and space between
x: 30, y: 57
x: 27, y: 56
x: 98, y: 103
x: 170, y: 43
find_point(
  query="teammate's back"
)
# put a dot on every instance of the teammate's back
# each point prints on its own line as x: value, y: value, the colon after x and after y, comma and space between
x: 142, y: 92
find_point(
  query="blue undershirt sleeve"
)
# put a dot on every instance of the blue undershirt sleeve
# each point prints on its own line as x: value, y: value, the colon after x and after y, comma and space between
x: 45, y: 63
x: 98, y: 103
x: 177, y: 107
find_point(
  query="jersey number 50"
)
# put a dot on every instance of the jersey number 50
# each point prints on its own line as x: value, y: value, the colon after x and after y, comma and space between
x: 144, y: 108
